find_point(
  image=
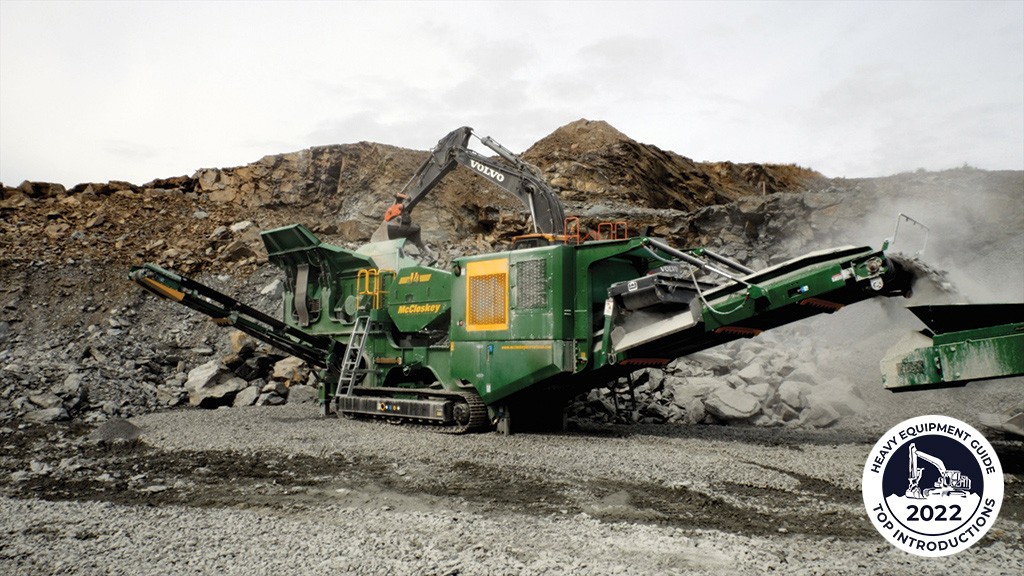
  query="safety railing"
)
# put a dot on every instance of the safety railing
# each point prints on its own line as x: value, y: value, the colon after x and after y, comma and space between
x: 369, y: 283
x: 571, y: 229
x: 613, y: 230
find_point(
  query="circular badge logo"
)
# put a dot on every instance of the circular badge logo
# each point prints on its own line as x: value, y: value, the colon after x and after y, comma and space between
x: 932, y: 486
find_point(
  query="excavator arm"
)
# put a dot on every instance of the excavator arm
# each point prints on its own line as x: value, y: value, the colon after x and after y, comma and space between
x: 440, y: 162
x: 511, y: 174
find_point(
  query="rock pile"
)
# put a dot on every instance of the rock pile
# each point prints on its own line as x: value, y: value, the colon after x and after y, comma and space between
x: 762, y: 381
x: 249, y: 375
x: 127, y: 224
x: 84, y: 343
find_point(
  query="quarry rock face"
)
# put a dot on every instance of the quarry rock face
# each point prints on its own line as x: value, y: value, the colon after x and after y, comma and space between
x: 67, y: 313
x: 591, y: 160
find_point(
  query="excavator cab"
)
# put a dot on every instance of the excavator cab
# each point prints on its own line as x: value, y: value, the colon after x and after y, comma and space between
x: 571, y: 234
x: 534, y: 241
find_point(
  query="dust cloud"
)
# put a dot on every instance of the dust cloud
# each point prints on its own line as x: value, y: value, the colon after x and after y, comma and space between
x: 975, y: 223
x: 973, y: 252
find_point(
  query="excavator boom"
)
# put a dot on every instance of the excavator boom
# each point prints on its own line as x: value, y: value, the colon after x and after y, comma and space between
x: 933, y: 461
x: 511, y: 173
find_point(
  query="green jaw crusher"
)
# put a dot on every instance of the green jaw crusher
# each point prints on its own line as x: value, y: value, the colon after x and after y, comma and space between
x: 511, y: 336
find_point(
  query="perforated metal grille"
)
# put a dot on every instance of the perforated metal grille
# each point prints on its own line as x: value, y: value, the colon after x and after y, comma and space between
x: 487, y: 295
x: 487, y: 300
x: 531, y: 284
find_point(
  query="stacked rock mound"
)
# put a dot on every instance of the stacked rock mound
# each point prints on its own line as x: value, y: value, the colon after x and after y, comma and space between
x: 249, y: 375
x: 763, y: 382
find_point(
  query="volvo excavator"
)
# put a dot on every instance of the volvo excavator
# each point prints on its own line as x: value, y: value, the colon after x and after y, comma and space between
x: 521, y: 179
x: 504, y: 339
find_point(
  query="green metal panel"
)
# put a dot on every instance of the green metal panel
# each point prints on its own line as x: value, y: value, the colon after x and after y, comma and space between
x: 560, y: 316
x: 538, y: 342
x: 917, y: 365
x: 418, y: 297
x: 536, y: 284
x: 596, y: 266
x: 967, y: 342
x: 398, y: 367
x: 539, y: 289
x: 331, y: 279
x: 984, y: 358
x: 774, y: 293
x: 288, y: 239
x: 498, y: 369
x: 811, y: 276
x: 954, y: 364
x: 595, y: 270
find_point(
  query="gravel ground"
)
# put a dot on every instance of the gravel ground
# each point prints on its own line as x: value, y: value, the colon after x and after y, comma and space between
x: 278, y: 490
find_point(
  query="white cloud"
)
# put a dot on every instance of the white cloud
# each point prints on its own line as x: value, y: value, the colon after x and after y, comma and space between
x: 98, y: 91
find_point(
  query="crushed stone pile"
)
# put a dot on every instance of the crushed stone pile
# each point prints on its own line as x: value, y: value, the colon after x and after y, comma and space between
x: 763, y: 382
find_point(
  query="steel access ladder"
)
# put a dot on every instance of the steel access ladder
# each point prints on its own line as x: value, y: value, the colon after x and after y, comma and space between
x: 353, y: 352
x: 369, y: 290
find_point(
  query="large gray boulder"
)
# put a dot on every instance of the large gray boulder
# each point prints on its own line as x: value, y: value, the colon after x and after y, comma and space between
x: 212, y: 385
x: 246, y: 397
x: 691, y: 409
x: 217, y: 392
x: 806, y: 374
x: 762, y: 391
x: 793, y: 393
x: 694, y: 387
x: 275, y: 387
x: 711, y: 359
x: 820, y: 415
x: 270, y: 399
x: 752, y: 373
x: 44, y: 415
x: 201, y: 376
x: 731, y: 404
x: 290, y: 369
x: 45, y: 400
x: 302, y: 394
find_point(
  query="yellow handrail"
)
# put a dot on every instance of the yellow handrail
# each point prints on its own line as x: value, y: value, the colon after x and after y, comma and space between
x: 368, y: 284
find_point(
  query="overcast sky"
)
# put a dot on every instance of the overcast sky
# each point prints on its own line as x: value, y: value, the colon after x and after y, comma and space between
x: 93, y: 91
